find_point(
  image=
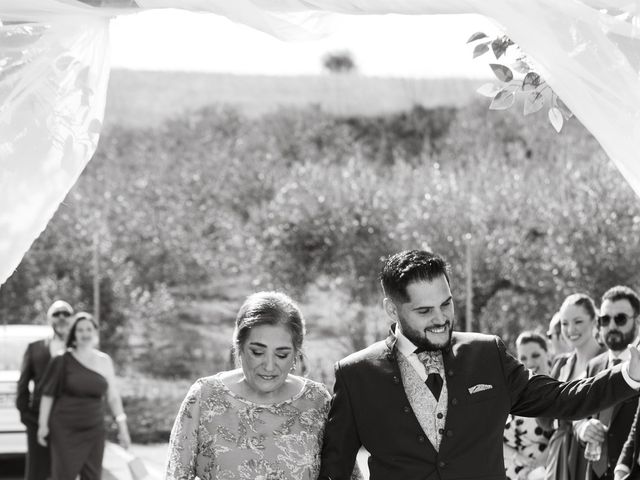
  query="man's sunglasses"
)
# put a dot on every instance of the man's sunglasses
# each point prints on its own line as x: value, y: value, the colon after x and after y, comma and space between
x: 61, y: 313
x: 620, y: 320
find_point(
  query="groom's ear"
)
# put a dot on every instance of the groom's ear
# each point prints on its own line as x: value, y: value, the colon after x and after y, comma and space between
x: 390, y: 309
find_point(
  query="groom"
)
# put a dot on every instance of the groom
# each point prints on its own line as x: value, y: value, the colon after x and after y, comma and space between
x: 430, y: 403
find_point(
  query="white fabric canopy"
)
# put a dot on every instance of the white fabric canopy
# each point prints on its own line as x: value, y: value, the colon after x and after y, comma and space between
x: 54, y: 72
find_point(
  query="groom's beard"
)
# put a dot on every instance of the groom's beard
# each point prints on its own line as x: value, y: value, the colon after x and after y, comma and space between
x: 421, y: 338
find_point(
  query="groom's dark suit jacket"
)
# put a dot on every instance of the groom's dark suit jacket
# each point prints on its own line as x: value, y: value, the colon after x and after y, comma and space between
x: 485, y: 383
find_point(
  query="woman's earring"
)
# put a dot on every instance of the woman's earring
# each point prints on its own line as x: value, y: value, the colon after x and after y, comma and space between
x: 293, y: 367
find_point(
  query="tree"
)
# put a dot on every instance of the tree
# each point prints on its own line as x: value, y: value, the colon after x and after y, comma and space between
x: 339, y: 62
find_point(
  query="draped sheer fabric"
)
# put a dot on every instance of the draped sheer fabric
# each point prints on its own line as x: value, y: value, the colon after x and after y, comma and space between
x: 54, y: 71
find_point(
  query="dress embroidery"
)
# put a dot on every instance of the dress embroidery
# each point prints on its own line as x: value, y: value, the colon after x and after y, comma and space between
x: 219, y: 435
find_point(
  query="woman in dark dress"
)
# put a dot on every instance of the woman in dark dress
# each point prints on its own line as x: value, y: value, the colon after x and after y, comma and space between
x: 72, y: 408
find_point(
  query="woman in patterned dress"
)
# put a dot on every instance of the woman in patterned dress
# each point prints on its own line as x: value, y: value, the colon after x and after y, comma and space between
x: 525, y: 442
x: 259, y: 421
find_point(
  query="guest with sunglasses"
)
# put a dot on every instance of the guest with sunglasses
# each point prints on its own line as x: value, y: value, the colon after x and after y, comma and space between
x: 609, y: 429
x: 34, y: 364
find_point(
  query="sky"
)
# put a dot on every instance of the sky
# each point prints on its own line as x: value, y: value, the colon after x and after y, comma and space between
x: 390, y: 45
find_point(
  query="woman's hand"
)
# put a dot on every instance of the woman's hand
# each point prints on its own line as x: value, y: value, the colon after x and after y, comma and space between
x: 123, y: 435
x: 43, y: 433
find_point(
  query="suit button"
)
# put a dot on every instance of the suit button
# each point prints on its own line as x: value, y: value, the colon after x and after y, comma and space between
x: 421, y: 438
x: 442, y: 464
x: 449, y: 433
x: 454, y: 402
x: 406, y: 409
x: 439, y: 415
x: 450, y: 373
x: 396, y: 380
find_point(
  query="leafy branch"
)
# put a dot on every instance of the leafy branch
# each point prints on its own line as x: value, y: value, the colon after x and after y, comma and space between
x: 517, y: 77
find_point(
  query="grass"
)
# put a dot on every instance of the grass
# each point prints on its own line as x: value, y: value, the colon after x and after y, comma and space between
x: 143, y: 99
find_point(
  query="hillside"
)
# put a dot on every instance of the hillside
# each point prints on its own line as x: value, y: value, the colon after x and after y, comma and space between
x: 139, y: 99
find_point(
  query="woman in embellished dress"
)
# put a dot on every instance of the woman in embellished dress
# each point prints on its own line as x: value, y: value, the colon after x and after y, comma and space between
x: 72, y: 409
x: 259, y: 421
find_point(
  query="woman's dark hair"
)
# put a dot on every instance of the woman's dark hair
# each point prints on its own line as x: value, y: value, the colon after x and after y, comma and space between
x: 71, y: 339
x: 268, y: 308
x: 532, y: 337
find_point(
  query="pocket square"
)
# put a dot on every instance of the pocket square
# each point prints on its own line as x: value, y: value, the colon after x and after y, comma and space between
x: 481, y: 387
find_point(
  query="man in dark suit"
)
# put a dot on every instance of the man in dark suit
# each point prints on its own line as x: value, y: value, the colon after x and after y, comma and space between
x: 35, y: 361
x: 628, y: 467
x: 429, y: 403
x: 618, y: 325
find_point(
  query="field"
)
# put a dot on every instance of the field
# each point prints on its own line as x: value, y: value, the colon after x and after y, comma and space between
x: 140, y: 99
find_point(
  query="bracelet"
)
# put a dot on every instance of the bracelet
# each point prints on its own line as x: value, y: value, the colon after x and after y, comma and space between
x: 121, y: 417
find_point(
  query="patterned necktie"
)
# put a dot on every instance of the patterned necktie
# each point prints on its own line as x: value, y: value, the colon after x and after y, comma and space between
x: 432, y: 361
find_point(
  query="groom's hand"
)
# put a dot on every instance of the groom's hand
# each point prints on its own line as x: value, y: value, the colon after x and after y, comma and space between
x: 634, y: 363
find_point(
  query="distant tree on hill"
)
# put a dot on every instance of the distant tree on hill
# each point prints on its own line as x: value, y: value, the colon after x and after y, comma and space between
x: 339, y: 62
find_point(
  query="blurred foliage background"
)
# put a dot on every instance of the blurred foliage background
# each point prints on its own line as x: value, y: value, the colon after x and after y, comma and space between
x: 189, y: 216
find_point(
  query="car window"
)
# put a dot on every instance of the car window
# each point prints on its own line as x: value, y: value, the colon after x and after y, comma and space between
x: 14, y: 343
x: 11, y: 352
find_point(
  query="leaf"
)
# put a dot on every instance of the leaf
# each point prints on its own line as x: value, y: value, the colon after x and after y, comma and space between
x: 477, y: 36
x: 531, y: 81
x: 500, y: 45
x: 488, y: 90
x: 566, y: 113
x: 521, y: 66
x: 503, y: 100
x: 533, y: 102
x: 555, y: 117
x: 502, y: 73
x: 480, y: 49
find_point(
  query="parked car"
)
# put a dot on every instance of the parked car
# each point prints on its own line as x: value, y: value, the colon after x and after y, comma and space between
x: 13, y: 343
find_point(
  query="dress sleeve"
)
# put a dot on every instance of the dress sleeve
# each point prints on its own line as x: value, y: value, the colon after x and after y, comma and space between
x: 51, y: 383
x: 183, y: 444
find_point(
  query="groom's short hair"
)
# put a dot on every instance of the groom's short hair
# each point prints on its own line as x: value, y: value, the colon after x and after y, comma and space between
x: 409, y: 266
